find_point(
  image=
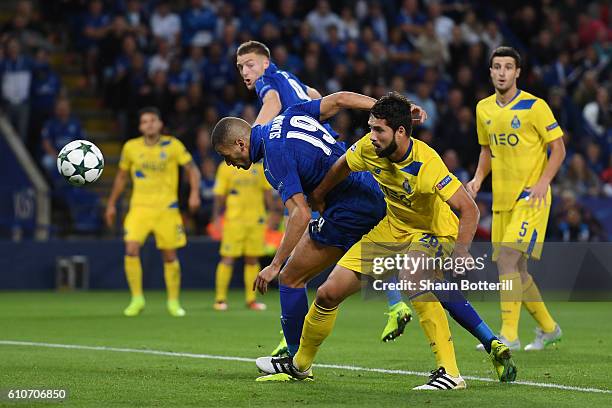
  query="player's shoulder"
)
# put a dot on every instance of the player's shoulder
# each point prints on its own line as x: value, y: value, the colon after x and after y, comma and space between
x: 363, y: 145
x: 423, y: 152
x: 486, y: 102
x: 168, y: 140
x: 532, y: 99
x: 134, y: 143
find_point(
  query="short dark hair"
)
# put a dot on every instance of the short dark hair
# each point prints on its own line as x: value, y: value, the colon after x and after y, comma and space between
x: 395, y: 108
x: 150, y: 109
x: 255, y: 47
x: 505, y: 51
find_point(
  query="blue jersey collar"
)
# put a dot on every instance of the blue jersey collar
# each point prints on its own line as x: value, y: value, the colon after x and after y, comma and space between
x: 256, y: 149
x: 272, y: 68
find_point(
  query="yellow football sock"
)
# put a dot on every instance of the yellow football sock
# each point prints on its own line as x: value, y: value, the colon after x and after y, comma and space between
x: 133, y: 274
x: 172, y: 276
x: 510, y: 302
x: 250, y: 273
x: 532, y: 299
x: 432, y: 319
x: 222, y: 281
x: 318, y: 324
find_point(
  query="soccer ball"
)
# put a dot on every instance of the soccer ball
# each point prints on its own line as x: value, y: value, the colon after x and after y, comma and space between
x: 80, y: 162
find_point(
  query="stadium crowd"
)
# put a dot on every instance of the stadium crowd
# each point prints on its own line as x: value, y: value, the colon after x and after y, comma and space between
x: 180, y: 56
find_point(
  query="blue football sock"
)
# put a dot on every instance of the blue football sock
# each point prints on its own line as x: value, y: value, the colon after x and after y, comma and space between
x: 393, y: 296
x: 463, y: 313
x: 294, y: 306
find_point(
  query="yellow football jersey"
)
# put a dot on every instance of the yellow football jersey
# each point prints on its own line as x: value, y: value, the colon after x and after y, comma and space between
x: 518, y: 134
x: 244, y: 190
x: 154, y: 170
x: 416, y: 189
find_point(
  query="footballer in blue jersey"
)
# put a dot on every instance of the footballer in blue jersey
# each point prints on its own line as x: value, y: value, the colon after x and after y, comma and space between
x: 277, y: 90
x: 297, y: 151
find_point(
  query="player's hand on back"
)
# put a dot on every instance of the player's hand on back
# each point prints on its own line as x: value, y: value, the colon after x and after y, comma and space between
x: 264, y: 277
x: 109, y: 215
x: 419, y: 116
x: 316, y: 202
x: 462, y: 258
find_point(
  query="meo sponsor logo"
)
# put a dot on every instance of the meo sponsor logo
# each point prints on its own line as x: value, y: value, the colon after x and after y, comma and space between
x: 503, y: 139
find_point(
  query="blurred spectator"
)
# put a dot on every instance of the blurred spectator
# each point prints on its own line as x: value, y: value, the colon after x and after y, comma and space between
x: 410, y: 19
x: 598, y: 114
x: 483, y: 230
x: 433, y: 51
x: 182, y: 121
x: 492, y: 37
x: 195, y: 62
x: 256, y: 18
x: 443, y: 25
x: 165, y: 24
x: 579, y: 178
x: 593, y: 157
x: 16, y: 72
x: 161, y: 60
x: 208, y: 168
x: 198, y: 24
x: 45, y: 88
x: 471, y: 28
x: 572, y: 228
x: 321, y: 18
x: 57, y: 132
x: 203, y: 148
x: 376, y: 19
x: 451, y: 160
x: 349, y: 26
x: 606, y: 178
x: 422, y: 97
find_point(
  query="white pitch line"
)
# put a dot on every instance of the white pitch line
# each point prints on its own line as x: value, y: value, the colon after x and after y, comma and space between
x: 251, y: 360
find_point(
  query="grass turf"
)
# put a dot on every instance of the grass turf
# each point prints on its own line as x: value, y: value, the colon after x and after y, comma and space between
x: 109, y: 379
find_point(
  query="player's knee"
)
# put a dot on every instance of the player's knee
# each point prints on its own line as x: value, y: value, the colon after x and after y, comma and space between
x: 507, y: 262
x: 227, y: 260
x: 289, y: 278
x: 132, y: 249
x: 251, y: 260
x: 328, y: 296
x: 169, y: 256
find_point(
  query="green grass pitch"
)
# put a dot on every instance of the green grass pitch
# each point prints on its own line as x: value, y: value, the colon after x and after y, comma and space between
x: 127, y: 379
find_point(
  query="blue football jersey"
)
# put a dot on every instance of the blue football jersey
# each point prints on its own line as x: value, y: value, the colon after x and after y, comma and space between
x: 291, y: 90
x: 297, y: 151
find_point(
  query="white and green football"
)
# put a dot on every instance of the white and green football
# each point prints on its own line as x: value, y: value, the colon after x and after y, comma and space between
x: 80, y: 162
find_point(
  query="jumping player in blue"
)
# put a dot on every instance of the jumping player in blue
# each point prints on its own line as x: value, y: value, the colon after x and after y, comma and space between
x: 277, y: 91
x: 297, y: 152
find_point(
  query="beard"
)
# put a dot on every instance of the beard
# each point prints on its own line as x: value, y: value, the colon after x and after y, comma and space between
x: 389, y: 150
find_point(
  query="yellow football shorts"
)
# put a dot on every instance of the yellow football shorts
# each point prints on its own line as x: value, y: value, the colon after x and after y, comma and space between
x: 387, y: 240
x: 165, y: 224
x: 241, y: 239
x: 522, y: 228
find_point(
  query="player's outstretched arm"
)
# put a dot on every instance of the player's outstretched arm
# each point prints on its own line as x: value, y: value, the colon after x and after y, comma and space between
x: 299, y: 217
x: 338, y: 172
x: 482, y: 171
x: 194, y: 185
x: 270, y: 108
x: 331, y: 104
x: 118, y: 187
x: 468, y: 221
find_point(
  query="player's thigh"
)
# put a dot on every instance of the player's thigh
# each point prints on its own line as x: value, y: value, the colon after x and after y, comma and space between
x: 255, y: 240
x: 526, y: 229
x: 341, y: 283
x: 309, y: 258
x: 233, y: 240
x: 138, y: 224
x: 169, y: 230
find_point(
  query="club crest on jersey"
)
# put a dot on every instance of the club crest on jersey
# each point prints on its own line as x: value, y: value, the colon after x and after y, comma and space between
x: 516, y: 123
x: 406, y: 185
x: 163, y: 155
x: 353, y: 147
x: 377, y: 170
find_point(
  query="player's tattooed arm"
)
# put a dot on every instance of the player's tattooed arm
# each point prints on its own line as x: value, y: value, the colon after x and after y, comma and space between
x: 338, y: 172
x: 270, y: 108
x: 194, y: 185
x: 118, y: 187
x: 299, y: 217
x: 482, y: 171
x: 468, y: 222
